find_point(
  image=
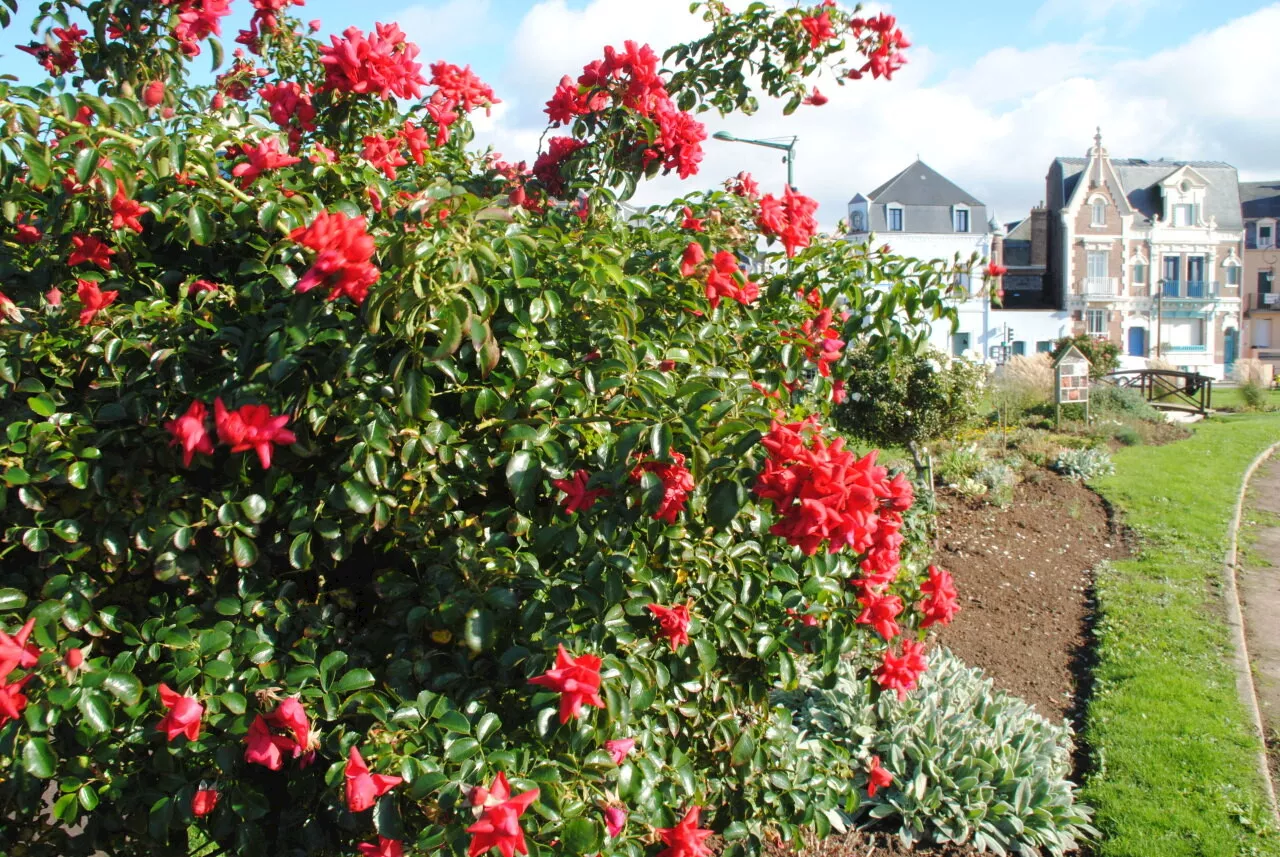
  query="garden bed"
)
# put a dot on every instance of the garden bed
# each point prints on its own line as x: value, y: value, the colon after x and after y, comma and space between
x: 1024, y: 573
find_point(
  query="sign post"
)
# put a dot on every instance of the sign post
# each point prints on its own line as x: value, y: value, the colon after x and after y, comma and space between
x: 1071, y: 383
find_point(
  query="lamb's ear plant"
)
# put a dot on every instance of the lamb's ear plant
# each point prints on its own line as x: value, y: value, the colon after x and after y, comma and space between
x: 970, y: 763
x: 1084, y: 464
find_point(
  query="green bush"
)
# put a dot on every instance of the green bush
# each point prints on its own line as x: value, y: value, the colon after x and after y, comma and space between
x: 960, y: 461
x: 969, y: 763
x: 1109, y: 400
x: 325, y: 436
x: 999, y: 479
x: 910, y: 400
x: 1083, y: 464
x: 1253, y: 395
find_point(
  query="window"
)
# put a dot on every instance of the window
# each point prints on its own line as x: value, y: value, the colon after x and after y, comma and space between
x: 1264, y: 282
x: 1099, y: 214
x: 1233, y: 275
x: 1262, y: 333
x: 1183, y: 215
x: 1139, y: 273
x: 1019, y: 348
x: 1172, y: 274
x: 895, y: 218
x: 1096, y: 322
x: 1184, y: 333
x: 1096, y: 280
x: 1195, y: 276
x: 855, y: 221
x: 959, y: 344
x: 962, y: 219
x: 1266, y: 235
x: 1044, y: 346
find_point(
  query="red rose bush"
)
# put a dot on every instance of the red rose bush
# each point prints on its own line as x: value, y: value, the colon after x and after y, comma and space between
x: 396, y: 498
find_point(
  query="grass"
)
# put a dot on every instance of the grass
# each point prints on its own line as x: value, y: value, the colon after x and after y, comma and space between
x: 1230, y: 399
x: 1174, y: 770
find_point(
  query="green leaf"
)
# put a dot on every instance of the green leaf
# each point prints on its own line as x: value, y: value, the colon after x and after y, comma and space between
x: 14, y: 476
x: 743, y: 749
x: 244, y: 552
x: 78, y: 474
x: 12, y: 599
x: 582, y: 836
x: 201, y: 226
x: 416, y: 398
x: 38, y: 758
x: 35, y: 540
x: 524, y: 472
x: 39, y: 171
x: 300, y: 551
x: 234, y: 702
x: 487, y: 725
x: 455, y: 721
x: 660, y: 441
x: 88, y: 797
x: 353, y: 680
x: 386, y: 818
x: 727, y: 499
x: 360, y: 496
x: 42, y: 405
x: 480, y: 631
x: 93, y: 705
x: 463, y: 748
x: 86, y: 164
x: 124, y: 687
x: 254, y: 508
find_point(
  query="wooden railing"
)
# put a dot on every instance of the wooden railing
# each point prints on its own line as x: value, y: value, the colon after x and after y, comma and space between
x: 1163, y: 388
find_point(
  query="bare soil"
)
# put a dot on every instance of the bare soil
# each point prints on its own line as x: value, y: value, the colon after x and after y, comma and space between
x: 1024, y: 575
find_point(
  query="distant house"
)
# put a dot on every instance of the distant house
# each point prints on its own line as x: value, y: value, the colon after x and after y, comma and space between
x: 1260, y: 208
x: 1148, y: 255
x: 922, y: 214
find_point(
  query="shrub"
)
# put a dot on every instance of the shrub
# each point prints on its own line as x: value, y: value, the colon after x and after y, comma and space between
x: 1127, y: 435
x: 998, y: 479
x: 960, y: 461
x: 1103, y: 354
x: 1084, y: 464
x: 339, y: 454
x: 1253, y: 396
x: 911, y: 400
x: 1250, y: 370
x: 969, y: 763
x: 1107, y: 398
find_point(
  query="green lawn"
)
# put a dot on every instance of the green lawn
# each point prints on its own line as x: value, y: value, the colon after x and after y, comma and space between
x: 1229, y: 397
x: 1174, y: 770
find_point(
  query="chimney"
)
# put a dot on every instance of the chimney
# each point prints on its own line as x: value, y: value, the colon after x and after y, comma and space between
x: 1039, y: 235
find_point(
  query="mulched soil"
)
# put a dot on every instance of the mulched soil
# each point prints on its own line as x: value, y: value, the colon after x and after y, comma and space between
x: 1024, y: 578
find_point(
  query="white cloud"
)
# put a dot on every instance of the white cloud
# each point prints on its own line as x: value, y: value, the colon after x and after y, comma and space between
x: 993, y: 128
x: 1130, y: 12
x: 440, y: 30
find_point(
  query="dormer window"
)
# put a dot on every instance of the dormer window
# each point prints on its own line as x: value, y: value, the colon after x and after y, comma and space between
x: 893, y: 216
x: 1266, y: 234
x: 1099, y: 217
x: 855, y: 221
x: 1184, y: 215
x: 960, y: 219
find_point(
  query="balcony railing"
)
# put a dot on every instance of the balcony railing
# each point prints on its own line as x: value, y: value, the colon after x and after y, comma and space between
x: 1184, y: 349
x: 1194, y: 290
x: 1100, y: 286
x: 1266, y: 301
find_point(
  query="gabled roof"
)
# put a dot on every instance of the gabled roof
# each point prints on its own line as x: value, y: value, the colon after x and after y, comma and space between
x: 1141, y: 180
x: 921, y: 184
x: 1260, y: 199
x: 857, y: 197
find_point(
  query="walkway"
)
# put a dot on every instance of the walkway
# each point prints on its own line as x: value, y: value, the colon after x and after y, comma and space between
x: 1259, y: 581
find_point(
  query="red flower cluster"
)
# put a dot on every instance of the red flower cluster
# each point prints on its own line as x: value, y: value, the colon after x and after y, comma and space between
x: 619, y: 748
x: 880, y: 610
x: 265, y: 747
x: 726, y: 280
x: 385, y: 848
x: 577, y: 497
x: 461, y: 87
x: 289, y: 107
x: 380, y: 63
x: 941, y: 599
x: 264, y: 21
x: 383, y: 154
x: 685, y: 839
x: 573, y: 99
x: 16, y: 653
x: 251, y: 427
x: 679, y: 143
x: 26, y: 233
x: 743, y: 185
x: 62, y: 57
x: 499, y: 822
x: 92, y: 299
x: 577, y: 680
x: 197, y: 20
x: 203, y: 802
x: 880, y: 565
x: 344, y: 249
x: 882, y: 42
x: 819, y: 28
x: 546, y: 168
x: 262, y: 157
x: 820, y: 339
x: 995, y: 269
x: 877, y: 777
x: 691, y: 222
x: 900, y: 673
x: 790, y: 219
x: 125, y: 212
x: 675, y: 623
x: 184, y: 714
x: 677, y: 484
x: 86, y: 248
x: 822, y: 492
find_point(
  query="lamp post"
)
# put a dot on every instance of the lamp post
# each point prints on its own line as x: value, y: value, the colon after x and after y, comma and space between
x: 1159, y: 314
x: 790, y: 149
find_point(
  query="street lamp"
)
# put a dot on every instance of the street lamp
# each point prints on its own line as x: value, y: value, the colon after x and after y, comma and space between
x: 790, y: 149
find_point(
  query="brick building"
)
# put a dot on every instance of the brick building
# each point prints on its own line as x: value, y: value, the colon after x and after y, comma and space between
x: 1260, y: 207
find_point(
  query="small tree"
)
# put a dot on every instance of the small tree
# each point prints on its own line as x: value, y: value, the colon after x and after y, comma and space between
x: 911, y: 400
x: 1103, y: 354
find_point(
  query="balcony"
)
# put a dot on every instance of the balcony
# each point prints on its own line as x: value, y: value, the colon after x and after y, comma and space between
x: 1190, y: 290
x: 1184, y: 349
x: 1263, y: 302
x: 1100, y: 287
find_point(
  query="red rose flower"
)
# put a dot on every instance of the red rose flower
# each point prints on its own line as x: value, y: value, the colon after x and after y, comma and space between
x: 251, y: 427
x: 364, y: 788
x: 190, y: 433
x: 90, y: 249
x: 577, y: 680
x: 499, y: 823
x: 693, y: 257
x: 577, y: 498
x: 940, y: 603
x: 675, y: 623
x: 203, y: 802
x: 677, y: 484
x: 344, y: 249
x: 620, y: 748
x: 900, y: 673
x: 877, y: 777
x: 685, y: 839
x: 16, y: 652
x: 92, y: 299
x: 183, y: 717
x: 385, y: 848
x: 880, y: 611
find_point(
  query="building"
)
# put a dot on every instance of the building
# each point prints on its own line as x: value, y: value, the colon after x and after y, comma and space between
x: 1260, y: 208
x: 920, y: 213
x: 1148, y: 255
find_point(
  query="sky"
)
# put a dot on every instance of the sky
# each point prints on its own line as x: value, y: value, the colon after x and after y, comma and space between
x: 993, y: 90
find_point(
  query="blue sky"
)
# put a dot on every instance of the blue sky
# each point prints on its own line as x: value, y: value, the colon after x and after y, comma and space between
x: 993, y: 92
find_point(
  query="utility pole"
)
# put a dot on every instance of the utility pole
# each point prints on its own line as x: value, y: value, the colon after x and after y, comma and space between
x: 790, y: 149
x: 1159, y: 314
